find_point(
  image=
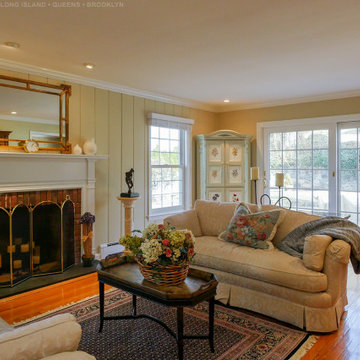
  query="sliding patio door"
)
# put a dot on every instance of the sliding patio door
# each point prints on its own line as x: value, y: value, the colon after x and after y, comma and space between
x: 304, y: 157
x: 321, y: 164
x: 348, y: 170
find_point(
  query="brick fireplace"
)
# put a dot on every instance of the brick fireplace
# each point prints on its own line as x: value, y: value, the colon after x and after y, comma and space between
x: 31, y: 198
x: 32, y: 182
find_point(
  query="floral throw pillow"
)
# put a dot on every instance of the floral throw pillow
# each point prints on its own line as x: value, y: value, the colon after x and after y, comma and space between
x: 255, y: 230
x: 242, y: 210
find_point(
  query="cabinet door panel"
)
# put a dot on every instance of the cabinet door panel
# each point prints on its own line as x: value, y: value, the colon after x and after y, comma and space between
x: 215, y: 176
x: 215, y: 152
x: 234, y: 152
x: 235, y: 195
x: 234, y: 175
x: 215, y: 195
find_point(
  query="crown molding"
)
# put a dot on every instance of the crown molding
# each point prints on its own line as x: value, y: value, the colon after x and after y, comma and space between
x: 289, y: 101
x: 78, y: 79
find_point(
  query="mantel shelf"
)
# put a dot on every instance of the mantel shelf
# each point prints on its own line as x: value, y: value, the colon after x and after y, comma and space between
x: 51, y: 156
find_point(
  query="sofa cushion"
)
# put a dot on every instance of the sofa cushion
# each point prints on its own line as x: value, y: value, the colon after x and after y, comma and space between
x: 255, y: 230
x: 74, y: 355
x: 4, y: 326
x: 214, y: 217
x: 275, y: 266
x: 292, y: 220
x: 314, y: 251
x: 186, y: 220
x: 40, y: 339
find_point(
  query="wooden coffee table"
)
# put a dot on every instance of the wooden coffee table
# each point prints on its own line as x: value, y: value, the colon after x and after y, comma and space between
x: 199, y: 286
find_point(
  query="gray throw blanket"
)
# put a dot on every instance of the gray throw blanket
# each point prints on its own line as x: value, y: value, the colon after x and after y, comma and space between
x: 333, y: 226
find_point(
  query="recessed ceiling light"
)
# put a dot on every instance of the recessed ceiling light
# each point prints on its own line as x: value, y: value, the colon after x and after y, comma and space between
x: 13, y: 113
x: 12, y: 44
x: 226, y: 101
x: 89, y: 66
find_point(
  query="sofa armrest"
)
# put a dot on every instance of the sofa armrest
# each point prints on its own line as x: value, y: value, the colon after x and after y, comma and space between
x: 186, y: 220
x: 74, y: 355
x: 40, y: 339
x: 336, y: 262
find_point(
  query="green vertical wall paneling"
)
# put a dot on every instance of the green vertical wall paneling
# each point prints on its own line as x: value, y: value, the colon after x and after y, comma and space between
x: 87, y: 113
x: 127, y: 153
x: 150, y: 106
x: 118, y: 124
x: 140, y: 163
x: 115, y: 175
x: 102, y: 167
x: 74, y: 115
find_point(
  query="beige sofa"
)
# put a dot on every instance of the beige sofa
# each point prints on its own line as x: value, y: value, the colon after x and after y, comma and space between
x: 56, y: 338
x: 269, y: 282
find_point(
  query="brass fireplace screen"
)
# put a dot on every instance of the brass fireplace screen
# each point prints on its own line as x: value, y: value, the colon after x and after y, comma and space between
x: 36, y: 240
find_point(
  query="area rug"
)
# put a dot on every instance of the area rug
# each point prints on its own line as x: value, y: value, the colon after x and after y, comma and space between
x: 238, y: 335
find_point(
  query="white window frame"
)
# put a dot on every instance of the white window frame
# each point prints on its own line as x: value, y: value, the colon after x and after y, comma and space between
x: 175, y: 122
x: 332, y: 123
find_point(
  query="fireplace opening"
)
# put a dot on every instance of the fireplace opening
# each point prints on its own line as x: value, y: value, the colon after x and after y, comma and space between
x: 36, y: 240
x: 46, y: 238
x: 20, y: 254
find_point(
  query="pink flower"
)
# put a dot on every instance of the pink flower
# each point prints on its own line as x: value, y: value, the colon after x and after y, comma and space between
x: 191, y: 252
x: 168, y: 252
x: 165, y: 242
x: 188, y: 235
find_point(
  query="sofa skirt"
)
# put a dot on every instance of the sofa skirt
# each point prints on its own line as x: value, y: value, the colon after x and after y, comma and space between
x: 311, y: 311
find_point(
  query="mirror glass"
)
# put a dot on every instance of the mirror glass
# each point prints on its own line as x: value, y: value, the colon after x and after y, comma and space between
x: 33, y: 112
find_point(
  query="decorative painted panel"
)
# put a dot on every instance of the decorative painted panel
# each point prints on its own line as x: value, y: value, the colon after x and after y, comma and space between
x: 215, y: 195
x: 234, y: 152
x: 234, y: 195
x: 215, y: 175
x: 234, y: 175
x: 215, y: 151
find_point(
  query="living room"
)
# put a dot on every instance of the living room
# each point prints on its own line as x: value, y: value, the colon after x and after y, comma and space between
x: 151, y: 86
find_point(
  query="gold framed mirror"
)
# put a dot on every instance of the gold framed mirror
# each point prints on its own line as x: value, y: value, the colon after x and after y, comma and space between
x: 34, y: 113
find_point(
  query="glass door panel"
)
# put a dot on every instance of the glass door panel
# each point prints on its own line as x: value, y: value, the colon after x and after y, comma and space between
x: 303, y: 157
x: 348, y: 165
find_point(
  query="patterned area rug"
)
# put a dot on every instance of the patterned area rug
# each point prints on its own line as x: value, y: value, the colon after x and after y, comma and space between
x: 238, y: 335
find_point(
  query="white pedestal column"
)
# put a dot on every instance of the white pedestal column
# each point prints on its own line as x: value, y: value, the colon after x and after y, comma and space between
x: 129, y: 211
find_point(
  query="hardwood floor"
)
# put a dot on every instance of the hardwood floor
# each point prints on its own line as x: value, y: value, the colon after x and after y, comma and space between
x: 32, y: 303
x: 344, y: 344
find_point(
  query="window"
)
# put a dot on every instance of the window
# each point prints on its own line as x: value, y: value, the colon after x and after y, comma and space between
x: 320, y: 159
x: 303, y: 156
x: 169, y: 164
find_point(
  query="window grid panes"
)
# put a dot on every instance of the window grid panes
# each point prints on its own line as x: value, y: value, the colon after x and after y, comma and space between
x: 167, y: 168
x: 349, y: 197
x: 303, y: 157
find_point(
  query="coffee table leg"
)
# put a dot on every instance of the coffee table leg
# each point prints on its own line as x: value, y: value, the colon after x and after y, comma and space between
x: 211, y: 323
x: 180, y: 332
x: 134, y: 305
x: 101, y: 298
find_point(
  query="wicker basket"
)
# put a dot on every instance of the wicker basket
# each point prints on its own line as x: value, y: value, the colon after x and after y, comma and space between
x: 164, y: 275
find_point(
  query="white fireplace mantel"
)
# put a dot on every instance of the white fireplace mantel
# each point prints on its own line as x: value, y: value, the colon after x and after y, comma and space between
x: 44, y: 171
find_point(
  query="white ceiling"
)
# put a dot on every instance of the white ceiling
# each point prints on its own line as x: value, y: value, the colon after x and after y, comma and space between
x: 250, y: 51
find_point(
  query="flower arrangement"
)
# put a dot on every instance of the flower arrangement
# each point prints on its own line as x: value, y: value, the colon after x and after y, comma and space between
x: 161, y: 246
